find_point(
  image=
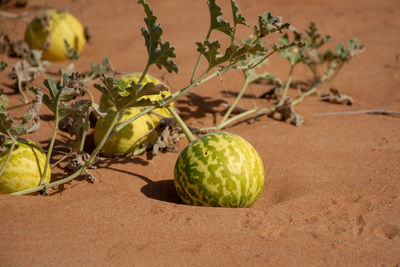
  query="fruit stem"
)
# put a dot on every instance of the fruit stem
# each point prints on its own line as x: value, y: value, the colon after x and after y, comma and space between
x: 181, y: 123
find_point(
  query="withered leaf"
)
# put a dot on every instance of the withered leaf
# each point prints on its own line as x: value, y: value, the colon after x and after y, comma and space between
x: 168, y: 136
x: 336, y: 97
x: 286, y: 112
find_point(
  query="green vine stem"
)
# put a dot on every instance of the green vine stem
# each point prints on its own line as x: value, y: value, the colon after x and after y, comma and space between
x: 243, y: 114
x: 238, y: 97
x: 21, y: 91
x: 285, y: 90
x: 51, y: 145
x: 328, y: 77
x: 146, y: 69
x: 106, y: 137
x: 84, y: 133
x: 181, y: 123
x: 196, y: 67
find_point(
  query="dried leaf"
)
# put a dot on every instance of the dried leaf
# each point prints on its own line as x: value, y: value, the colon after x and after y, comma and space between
x: 268, y: 24
x: 336, y: 97
x: 25, y: 72
x: 168, y: 136
x: 76, y: 121
x: 30, y: 120
x: 78, y: 160
x: 286, y: 112
x: 86, y: 33
x: 11, y: 48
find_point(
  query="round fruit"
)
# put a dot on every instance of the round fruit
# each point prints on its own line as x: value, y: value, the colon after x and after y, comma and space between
x: 221, y: 170
x: 55, y: 27
x: 25, y: 167
x: 124, y: 81
x: 126, y: 140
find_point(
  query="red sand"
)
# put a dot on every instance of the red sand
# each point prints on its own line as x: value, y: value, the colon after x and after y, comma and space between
x: 332, y: 184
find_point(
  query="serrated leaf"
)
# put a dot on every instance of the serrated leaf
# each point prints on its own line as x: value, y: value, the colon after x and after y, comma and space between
x: 237, y: 15
x: 315, y: 39
x: 71, y: 53
x: 161, y: 58
x: 210, y: 50
x: 158, y: 52
x: 217, y: 22
x: 99, y: 69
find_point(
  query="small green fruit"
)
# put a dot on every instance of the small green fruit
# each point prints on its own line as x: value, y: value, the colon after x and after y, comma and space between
x: 25, y: 167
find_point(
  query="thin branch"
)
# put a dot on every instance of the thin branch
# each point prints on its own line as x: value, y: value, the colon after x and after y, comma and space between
x: 372, y: 111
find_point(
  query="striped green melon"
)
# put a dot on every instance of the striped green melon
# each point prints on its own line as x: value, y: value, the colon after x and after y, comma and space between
x: 220, y: 170
x: 124, y: 81
x: 25, y: 167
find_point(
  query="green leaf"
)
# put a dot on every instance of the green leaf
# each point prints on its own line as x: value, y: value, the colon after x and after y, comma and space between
x: 217, y: 22
x: 3, y: 65
x: 161, y: 58
x: 51, y: 84
x: 342, y: 52
x: 71, y: 53
x: 99, y: 69
x: 316, y: 41
x: 120, y: 97
x: 3, y: 103
x: 158, y: 52
x: 210, y: 50
x: 237, y: 15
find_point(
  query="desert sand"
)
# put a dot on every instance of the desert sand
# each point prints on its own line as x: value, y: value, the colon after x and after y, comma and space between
x: 332, y: 192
